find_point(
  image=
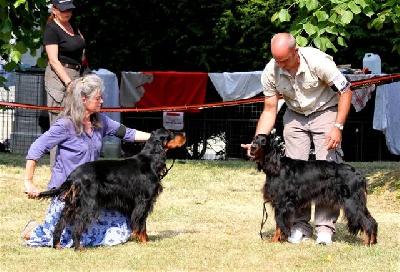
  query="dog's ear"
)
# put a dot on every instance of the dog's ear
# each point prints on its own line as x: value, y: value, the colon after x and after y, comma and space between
x: 273, y: 167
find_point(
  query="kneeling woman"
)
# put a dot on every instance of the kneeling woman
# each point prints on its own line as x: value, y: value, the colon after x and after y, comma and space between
x: 78, y: 133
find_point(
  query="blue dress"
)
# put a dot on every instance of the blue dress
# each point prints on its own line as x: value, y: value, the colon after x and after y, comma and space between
x: 111, y: 227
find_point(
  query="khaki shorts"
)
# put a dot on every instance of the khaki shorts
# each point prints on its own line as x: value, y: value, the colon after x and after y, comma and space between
x: 55, y: 89
x: 300, y: 131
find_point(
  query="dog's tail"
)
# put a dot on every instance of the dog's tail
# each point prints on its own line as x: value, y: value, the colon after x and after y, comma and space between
x: 50, y: 193
x: 56, y: 191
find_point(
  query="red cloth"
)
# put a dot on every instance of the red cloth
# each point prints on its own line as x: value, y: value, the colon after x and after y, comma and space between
x: 169, y: 89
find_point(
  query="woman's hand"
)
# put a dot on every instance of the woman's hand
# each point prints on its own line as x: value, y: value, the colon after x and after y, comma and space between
x: 31, y: 190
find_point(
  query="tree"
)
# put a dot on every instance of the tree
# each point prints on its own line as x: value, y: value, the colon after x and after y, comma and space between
x: 326, y: 23
x: 21, y: 28
x: 150, y: 34
x: 204, y: 35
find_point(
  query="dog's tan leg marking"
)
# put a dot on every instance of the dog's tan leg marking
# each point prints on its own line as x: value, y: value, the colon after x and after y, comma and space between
x: 143, y: 238
x: 366, y: 238
x: 372, y: 241
x: 58, y: 245
x: 80, y: 248
x: 277, y: 236
x: 373, y: 238
x: 135, y: 235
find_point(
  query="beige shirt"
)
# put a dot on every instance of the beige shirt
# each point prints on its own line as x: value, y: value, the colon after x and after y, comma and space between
x: 308, y: 91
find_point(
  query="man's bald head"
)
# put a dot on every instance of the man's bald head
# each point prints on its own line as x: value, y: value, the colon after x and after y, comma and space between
x: 284, y: 50
x: 282, y: 43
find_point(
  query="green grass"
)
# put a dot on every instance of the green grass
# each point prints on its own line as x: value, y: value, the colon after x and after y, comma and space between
x: 207, y: 219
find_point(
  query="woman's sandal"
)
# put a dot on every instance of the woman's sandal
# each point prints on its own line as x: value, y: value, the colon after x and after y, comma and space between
x: 26, y: 233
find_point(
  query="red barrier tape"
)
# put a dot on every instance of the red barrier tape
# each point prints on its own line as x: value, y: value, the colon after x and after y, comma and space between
x: 354, y: 85
x: 152, y: 109
x: 375, y: 80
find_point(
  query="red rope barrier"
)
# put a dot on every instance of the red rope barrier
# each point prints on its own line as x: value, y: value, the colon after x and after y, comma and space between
x: 151, y: 109
x: 354, y: 85
x: 375, y: 80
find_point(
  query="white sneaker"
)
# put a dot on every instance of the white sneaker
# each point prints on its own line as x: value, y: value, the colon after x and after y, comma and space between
x: 324, y: 238
x: 297, y: 236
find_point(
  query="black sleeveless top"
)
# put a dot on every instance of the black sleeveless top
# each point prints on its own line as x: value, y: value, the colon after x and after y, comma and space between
x: 70, y: 48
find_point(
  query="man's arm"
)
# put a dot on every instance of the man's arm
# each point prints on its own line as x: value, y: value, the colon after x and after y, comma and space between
x: 334, y: 137
x: 344, y: 106
x: 268, y: 116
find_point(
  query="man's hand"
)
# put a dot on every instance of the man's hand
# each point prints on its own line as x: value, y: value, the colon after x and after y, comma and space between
x: 333, y: 138
x: 248, y: 148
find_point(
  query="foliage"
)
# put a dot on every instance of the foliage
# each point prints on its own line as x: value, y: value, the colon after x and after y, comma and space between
x: 326, y: 23
x: 21, y: 28
x: 244, y: 30
x: 185, y: 35
x: 232, y: 35
x: 148, y: 35
x: 204, y: 35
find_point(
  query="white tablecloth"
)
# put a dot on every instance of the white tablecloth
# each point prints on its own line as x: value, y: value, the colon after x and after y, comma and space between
x: 362, y: 95
x: 387, y: 114
x: 237, y: 85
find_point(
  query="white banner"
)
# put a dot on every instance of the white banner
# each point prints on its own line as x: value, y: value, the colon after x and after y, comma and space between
x: 173, y: 120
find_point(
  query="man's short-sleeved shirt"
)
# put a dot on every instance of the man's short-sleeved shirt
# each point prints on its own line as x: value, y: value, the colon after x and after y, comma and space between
x: 308, y: 91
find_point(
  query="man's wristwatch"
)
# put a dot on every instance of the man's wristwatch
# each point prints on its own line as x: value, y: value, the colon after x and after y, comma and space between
x: 339, y: 126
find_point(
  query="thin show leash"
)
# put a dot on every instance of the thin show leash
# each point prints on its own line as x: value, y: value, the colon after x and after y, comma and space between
x: 161, y: 176
x: 264, y: 219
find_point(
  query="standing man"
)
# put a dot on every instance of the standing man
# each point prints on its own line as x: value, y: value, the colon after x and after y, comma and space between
x: 318, y: 99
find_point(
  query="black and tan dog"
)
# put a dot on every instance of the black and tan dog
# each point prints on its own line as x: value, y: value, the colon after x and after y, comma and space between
x: 130, y: 185
x: 291, y: 184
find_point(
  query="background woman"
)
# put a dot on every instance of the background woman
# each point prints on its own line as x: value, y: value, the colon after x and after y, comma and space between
x: 65, y: 47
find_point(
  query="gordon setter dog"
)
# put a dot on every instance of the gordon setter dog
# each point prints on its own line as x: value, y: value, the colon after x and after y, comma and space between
x: 291, y: 184
x: 129, y: 185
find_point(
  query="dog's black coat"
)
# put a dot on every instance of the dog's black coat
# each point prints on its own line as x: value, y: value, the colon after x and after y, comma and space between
x: 292, y: 184
x: 130, y: 185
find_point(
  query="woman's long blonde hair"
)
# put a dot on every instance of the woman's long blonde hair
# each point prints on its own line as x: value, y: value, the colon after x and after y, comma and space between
x: 74, y: 109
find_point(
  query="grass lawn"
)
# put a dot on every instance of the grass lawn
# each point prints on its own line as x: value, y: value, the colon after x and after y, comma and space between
x: 207, y: 219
